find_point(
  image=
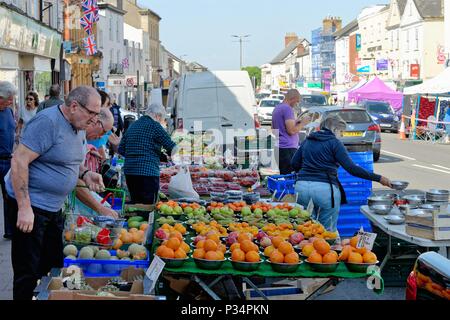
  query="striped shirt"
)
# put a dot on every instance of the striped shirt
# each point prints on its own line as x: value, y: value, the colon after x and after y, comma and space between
x: 141, y: 146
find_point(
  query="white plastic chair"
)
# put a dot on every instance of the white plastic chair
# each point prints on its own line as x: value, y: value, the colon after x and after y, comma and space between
x: 433, y: 133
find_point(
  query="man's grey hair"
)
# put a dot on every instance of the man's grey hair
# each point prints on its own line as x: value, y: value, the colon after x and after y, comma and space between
x: 81, y: 94
x: 55, y: 91
x: 156, y: 109
x: 291, y: 94
x: 7, y: 89
x: 333, y: 122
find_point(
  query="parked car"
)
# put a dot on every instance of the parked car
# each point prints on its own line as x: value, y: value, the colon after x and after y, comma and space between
x: 265, y: 110
x: 361, y: 129
x: 261, y: 95
x: 430, y: 279
x: 312, y: 100
x: 383, y: 114
x: 277, y: 97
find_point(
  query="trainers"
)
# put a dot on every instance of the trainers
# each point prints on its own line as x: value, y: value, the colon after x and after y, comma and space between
x: 7, y: 236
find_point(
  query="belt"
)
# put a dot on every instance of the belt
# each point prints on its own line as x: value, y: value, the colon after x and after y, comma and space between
x: 6, y: 157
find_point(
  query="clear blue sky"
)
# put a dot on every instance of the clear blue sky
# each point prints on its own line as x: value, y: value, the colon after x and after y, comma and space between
x: 202, y: 29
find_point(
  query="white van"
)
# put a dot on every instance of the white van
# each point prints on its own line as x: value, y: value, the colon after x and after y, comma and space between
x: 223, y: 100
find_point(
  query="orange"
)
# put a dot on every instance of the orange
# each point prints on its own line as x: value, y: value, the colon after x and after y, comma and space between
x: 315, y: 257
x: 143, y: 226
x: 160, y: 249
x: 330, y: 257
x: 180, y: 254
x: 210, y: 245
x: 185, y: 247
x: 308, y: 249
x: 285, y: 248
x: 355, y: 257
x: 167, y: 253
x: 199, y: 253
x: 321, y: 246
x: 117, y: 244
x: 354, y: 241
x: 276, y: 257
x: 212, y: 255
x: 215, y: 237
x: 176, y: 234
x: 220, y: 255
x: 238, y: 255
x: 247, y: 246
x: 180, y: 228
x: 127, y: 238
x: 243, y: 236
x: 173, y: 243
x: 252, y: 256
x: 291, y: 258
x: 268, y: 251
x: 276, y: 241
x: 235, y: 246
x: 361, y: 251
x: 133, y: 230
x: 200, y: 244
x: 345, y: 253
x: 369, y: 257
x: 222, y: 248
x: 68, y: 235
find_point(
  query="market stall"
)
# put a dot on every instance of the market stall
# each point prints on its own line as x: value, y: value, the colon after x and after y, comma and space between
x: 377, y: 90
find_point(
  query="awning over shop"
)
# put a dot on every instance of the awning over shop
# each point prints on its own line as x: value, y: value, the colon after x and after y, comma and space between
x: 438, y: 85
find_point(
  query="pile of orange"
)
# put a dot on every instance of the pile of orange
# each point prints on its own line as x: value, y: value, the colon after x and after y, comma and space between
x: 320, y: 252
x: 130, y: 236
x: 203, y: 228
x: 281, y: 251
x: 235, y: 206
x: 244, y: 250
x: 210, y: 249
x: 352, y: 254
x: 312, y: 229
x: 285, y: 205
x: 177, y: 227
x: 265, y: 207
x: 284, y: 230
x: 243, y: 227
x: 174, y: 248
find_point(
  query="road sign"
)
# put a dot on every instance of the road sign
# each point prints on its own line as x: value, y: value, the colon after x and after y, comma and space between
x: 130, y: 82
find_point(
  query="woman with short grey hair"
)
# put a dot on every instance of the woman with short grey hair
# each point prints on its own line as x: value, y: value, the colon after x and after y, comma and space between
x: 316, y: 163
x: 157, y: 112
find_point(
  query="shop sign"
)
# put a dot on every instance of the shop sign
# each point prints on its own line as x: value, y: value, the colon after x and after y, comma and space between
x: 358, y: 42
x: 415, y: 71
x: 23, y: 34
x: 116, y: 82
x: 101, y: 85
x: 382, y: 65
x: 364, y: 69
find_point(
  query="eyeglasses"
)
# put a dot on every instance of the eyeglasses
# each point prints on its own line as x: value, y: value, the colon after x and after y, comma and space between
x: 103, y: 127
x: 30, y: 99
x: 90, y: 112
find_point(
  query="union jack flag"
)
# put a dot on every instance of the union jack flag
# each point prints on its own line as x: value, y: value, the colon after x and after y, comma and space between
x: 90, y: 46
x: 87, y: 23
x: 90, y: 7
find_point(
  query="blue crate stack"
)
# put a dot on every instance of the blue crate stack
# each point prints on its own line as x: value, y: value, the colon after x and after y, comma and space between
x: 357, y: 190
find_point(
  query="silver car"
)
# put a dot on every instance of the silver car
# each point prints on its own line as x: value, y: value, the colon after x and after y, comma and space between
x: 361, y: 128
x: 265, y: 110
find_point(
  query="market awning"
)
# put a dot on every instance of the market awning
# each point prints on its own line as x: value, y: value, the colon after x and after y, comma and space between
x: 438, y: 85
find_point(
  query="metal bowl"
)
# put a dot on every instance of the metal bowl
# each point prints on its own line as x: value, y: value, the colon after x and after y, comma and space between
x: 359, y: 267
x: 174, y: 263
x: 379, y: 200
x: 399, y: 185
x: 415, y: 199
x: 392, y: 195
x: 395, y: 219
x: 323, y: 267
x: 405, y: 207
x: 209, y: 264
x: 382, y: 209
x: 246, y: 266
x: 430, y: 206
x: 285, y: 267
x: 437, y: 195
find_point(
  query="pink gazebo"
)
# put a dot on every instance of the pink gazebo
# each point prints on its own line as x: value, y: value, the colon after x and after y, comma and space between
x: 377, y: 90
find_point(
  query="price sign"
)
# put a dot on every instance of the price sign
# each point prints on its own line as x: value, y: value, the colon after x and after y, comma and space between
x: 366, y: 239
x: 154, y: 271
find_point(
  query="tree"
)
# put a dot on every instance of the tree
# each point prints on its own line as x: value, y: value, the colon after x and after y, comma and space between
x: 254, y: 72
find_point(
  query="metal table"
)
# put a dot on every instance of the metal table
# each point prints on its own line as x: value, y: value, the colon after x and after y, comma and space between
x: 399, y: 232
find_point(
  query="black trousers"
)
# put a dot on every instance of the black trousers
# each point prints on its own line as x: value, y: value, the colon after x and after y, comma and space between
x: 284, y: 158
x: 34, y: 254
x: 143, y: 190
x: 5, y: 165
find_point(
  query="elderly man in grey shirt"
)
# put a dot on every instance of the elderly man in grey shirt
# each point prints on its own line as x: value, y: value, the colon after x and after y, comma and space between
x: 45, y: 168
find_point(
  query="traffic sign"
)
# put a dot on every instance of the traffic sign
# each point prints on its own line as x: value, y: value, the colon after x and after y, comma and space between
x: 130, y: 82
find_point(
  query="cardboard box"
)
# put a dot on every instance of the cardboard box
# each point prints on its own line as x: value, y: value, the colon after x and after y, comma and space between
x: 435, y: 220
x: 426, y: 232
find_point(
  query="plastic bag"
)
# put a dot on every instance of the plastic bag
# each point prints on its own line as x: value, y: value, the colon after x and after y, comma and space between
x: 180, y: 185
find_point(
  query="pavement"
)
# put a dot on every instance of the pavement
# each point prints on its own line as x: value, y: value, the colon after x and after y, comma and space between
x: 422, y: 164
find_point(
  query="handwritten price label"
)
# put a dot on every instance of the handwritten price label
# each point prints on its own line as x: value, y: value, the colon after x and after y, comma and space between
x: 366, y: 239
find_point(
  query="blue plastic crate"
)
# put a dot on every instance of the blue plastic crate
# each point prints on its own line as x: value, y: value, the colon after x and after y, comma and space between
x: 350, y: 230
x: 106, y: 268
x: 281, y: 184
x: 351, y: 219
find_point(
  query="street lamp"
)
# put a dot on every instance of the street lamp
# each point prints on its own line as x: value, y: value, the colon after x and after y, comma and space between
x: 240, y: 42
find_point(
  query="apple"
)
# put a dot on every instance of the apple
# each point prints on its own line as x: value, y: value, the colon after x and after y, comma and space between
x: 199, y: 238
x: 261, y: 234
x: 296, y: 238
x: 161, y: 234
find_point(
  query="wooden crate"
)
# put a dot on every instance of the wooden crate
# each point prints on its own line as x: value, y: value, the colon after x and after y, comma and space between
x: 427, y: 232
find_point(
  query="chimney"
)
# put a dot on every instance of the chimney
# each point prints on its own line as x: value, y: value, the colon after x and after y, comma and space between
x: 120, y: 4
x: 291, y: 36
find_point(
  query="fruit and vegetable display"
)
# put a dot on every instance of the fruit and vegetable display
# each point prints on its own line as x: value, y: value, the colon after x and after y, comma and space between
x: 313, y: 229
x: 80, y: 230
x: 244, y: 249
x: 134, y: 252
x: 223, y: 215
x: 167, y: 231
x: 351, y: 254
x: 202, y: 228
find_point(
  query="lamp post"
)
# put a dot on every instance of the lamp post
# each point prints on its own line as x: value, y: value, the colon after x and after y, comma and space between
x: 240, y: 43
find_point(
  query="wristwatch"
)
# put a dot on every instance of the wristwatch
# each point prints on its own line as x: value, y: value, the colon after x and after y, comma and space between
x: 84, y: 173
